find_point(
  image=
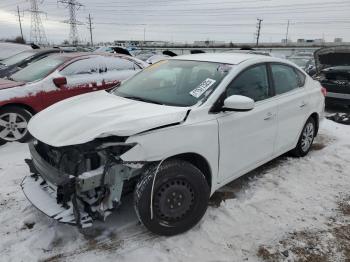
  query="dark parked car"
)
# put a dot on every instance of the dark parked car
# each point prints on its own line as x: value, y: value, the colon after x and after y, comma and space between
x: 19, y: 61
x: 333, y: 71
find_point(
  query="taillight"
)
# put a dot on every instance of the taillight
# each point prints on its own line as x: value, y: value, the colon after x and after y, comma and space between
x: 324, y: 91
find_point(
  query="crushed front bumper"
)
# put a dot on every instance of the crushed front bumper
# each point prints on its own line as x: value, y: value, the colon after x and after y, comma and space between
x: 43, y: 197
x: 79, y: 199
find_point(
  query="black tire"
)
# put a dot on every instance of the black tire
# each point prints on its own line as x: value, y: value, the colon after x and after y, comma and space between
x: 180, y: 197
x: 22, y: 116
x: 300, y: 150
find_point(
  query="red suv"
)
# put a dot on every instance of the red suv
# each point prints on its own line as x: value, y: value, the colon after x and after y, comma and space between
x: 53, y: 79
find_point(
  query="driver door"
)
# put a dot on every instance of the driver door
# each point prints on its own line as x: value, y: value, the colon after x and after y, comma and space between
x: 247, y: 138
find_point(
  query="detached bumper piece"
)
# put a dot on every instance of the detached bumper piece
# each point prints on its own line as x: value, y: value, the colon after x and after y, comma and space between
x: 44, y: 198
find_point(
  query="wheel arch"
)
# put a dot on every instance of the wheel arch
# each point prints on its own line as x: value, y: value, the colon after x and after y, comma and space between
x: 198, y: 161
x: 20, y: 105
x: 316, y: 118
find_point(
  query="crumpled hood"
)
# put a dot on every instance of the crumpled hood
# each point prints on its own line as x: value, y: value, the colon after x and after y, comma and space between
x: 83, y: 118
x: 4, y: 83
x: 332, y: 57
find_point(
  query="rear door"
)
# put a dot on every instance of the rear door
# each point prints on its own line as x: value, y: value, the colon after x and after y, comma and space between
x: 247, y: 138
x: 293, y: 104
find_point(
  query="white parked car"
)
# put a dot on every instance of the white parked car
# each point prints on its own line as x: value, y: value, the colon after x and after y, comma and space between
x: 178, y: 130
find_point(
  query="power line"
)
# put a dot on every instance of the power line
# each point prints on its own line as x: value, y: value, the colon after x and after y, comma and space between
x: 12, y: 4
x: 216, y: 3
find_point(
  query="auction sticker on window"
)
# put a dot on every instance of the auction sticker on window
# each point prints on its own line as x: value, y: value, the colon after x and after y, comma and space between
x: 204, y: 86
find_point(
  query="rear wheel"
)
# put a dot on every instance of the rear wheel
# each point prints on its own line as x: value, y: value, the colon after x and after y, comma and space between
x: 180, y: 197
x: 306, y: 139
x: 13, y: 124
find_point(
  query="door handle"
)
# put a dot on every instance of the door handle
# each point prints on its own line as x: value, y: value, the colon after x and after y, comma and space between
x: 269, y: 116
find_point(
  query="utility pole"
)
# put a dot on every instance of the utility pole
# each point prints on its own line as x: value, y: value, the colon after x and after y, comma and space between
x: 20, y: 22
x: 37, y: 32
x: 73, y: 6
x: 258, y: 27
x: 287, y: 33
x: 90, y: 29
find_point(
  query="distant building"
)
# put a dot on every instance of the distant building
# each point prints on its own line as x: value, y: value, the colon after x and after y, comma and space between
x: 310, y: 41
x: 338, y: 40
x: 319, y: 41
x: 208, y: 43
x: 286, y: 41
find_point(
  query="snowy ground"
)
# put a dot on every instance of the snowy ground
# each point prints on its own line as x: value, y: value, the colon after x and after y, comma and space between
x: 290, y: 209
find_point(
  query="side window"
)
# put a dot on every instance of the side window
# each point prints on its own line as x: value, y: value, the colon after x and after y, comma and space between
x: 285, y: 78
x: 99, y: 64
x: 252, y: 83
x: 83, y: 66
x: 117, y: 64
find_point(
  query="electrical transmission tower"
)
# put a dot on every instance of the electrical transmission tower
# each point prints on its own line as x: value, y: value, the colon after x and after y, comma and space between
x: 73, y: 6
x: 37, y: 32
x: 258, y: 30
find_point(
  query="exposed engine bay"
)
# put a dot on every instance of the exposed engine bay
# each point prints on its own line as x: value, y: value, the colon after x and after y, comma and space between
x: 87, y: 180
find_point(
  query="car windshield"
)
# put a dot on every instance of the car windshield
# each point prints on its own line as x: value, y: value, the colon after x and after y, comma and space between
x: 17, y: 58
x: 174, y: 82
x: 38, y: 70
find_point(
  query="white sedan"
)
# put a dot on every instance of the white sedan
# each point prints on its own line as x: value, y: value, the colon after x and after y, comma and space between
x: 174, y: 134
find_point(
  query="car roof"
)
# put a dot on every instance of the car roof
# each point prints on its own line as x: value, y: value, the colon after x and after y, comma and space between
x: 227, y: 58
x: 42, y: 50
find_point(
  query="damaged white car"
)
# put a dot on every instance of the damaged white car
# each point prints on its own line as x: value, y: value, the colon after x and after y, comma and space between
x: 172, y: 134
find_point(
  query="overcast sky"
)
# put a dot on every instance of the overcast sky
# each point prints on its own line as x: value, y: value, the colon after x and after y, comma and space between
x: 187, y: 20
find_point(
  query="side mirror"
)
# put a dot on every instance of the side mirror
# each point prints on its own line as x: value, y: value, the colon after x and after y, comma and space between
x: 238, y: 103
x: 60, y: 81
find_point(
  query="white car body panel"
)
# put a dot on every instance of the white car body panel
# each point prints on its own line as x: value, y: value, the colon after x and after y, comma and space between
x: 103, y: 115
x: 232, y: 143
x: 241, y: 132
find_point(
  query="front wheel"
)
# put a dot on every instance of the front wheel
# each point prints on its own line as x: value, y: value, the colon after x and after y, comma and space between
x: 13, y: 124
x: 306, y: 139
x: 180, y: 197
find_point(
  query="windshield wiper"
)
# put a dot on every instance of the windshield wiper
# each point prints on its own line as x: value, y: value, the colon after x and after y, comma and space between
x: 142, y: 99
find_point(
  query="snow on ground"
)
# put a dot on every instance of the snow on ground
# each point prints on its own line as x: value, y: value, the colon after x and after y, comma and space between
x: 260, y: 209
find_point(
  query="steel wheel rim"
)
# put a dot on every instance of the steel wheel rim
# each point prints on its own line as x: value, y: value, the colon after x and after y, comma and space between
x: 307, y: 137
x: 174, y: 200
x: 13, y: 126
